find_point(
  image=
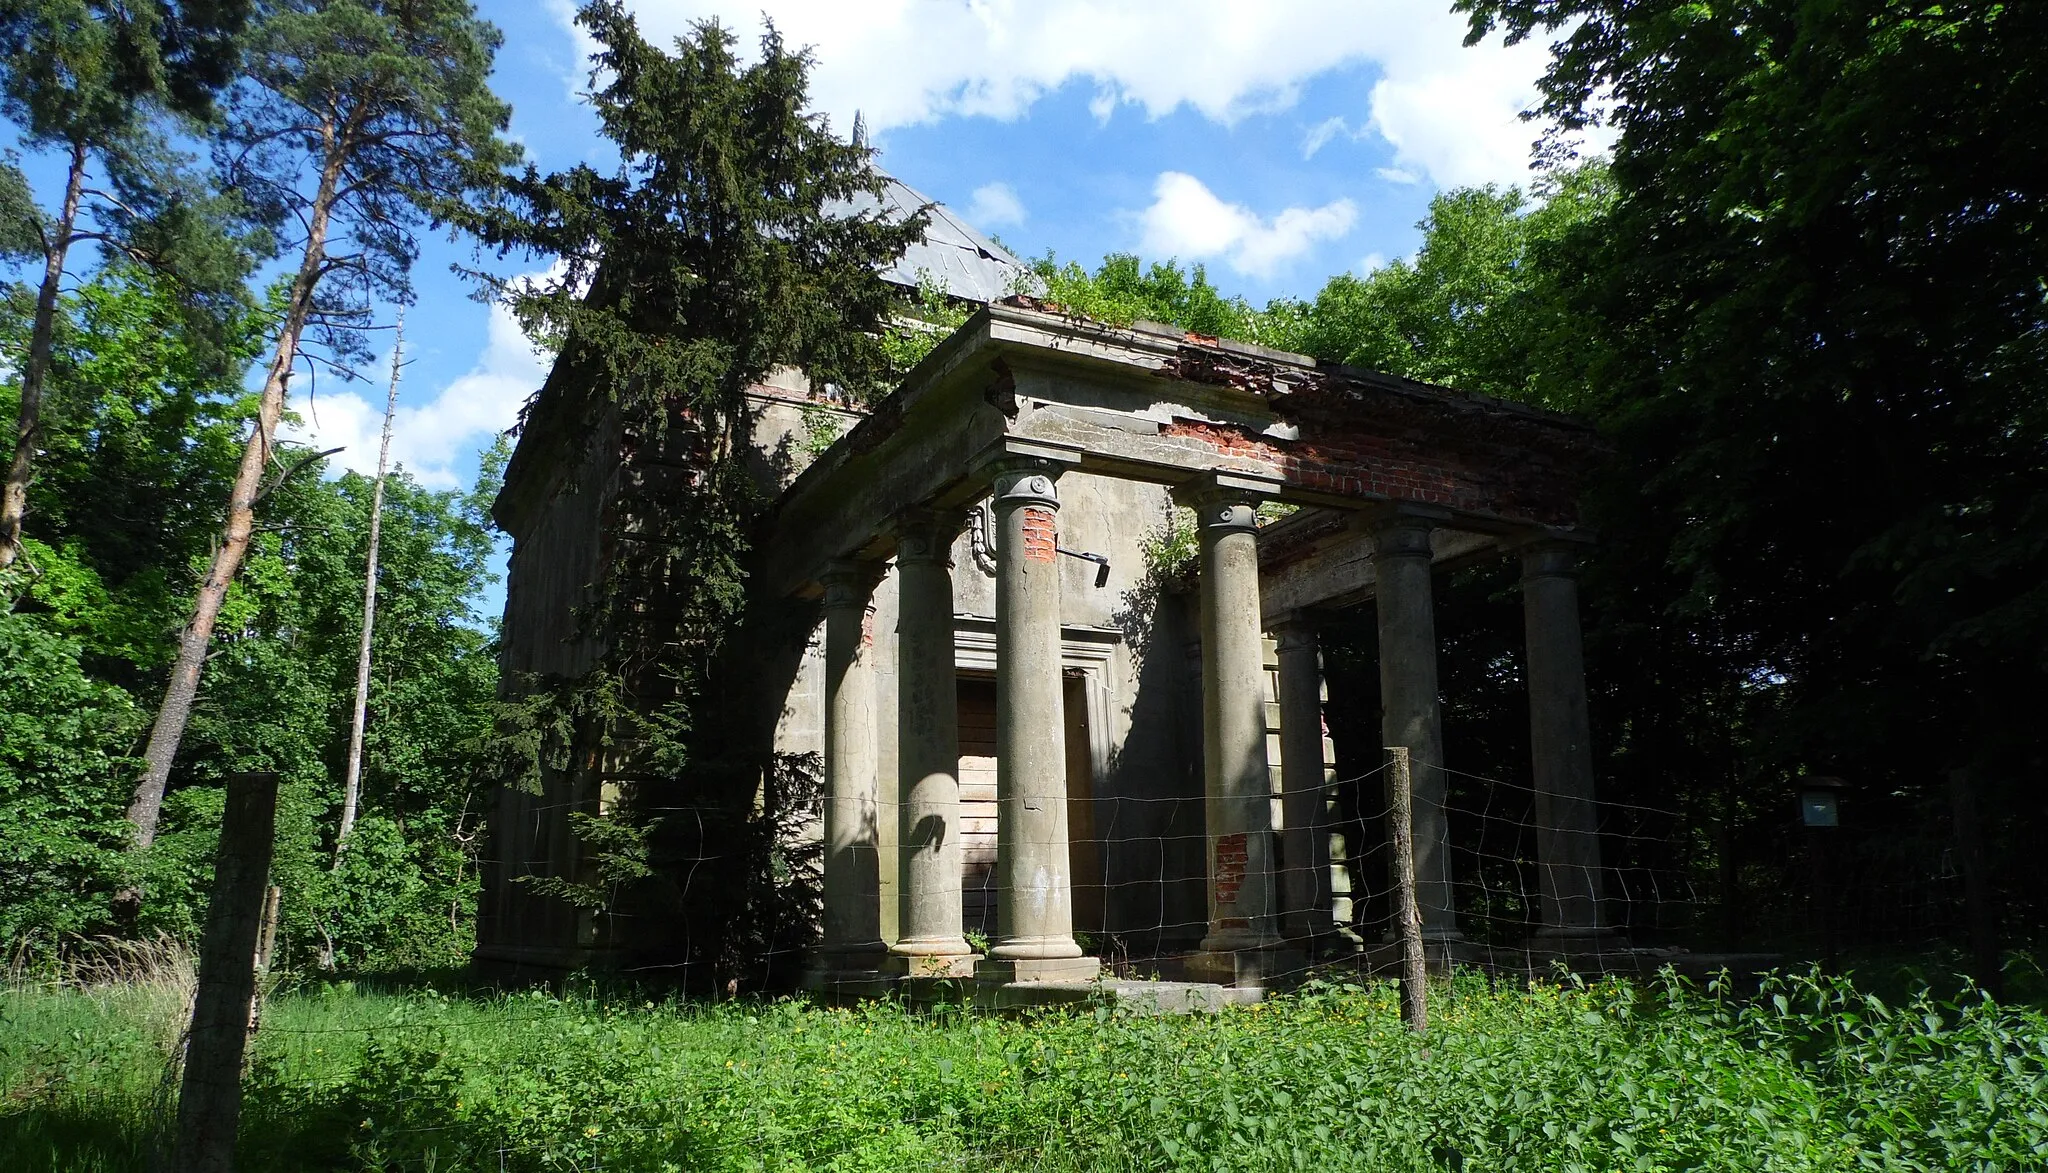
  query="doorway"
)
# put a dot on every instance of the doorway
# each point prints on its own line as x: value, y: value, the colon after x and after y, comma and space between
x: 978, y: 812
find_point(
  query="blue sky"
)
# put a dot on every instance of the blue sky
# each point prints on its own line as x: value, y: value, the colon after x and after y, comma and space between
x: 1276, y: 142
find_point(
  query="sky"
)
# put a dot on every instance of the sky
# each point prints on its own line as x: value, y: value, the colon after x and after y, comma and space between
x: 1276, y: 142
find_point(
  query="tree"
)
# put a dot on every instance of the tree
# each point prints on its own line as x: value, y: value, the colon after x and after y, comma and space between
x: 1813, y: 329
x: 352, y: 775
x: 1477, y: 307
x: 127, y: 503
x: 89, y: 79
x: 720, y: 248
x: 363, y: 121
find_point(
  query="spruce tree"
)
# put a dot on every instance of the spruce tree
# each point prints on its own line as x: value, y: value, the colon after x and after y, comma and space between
x: 360, y: 123
x: 724, y: 245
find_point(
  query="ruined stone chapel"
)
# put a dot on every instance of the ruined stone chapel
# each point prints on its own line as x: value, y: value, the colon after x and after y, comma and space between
x: 1027, y: 739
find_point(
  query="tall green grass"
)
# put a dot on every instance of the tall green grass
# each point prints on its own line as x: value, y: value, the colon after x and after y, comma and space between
x: 1809, y: 1074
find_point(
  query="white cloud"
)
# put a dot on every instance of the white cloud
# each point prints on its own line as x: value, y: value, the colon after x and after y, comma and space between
x: 430, y: 439
x: 1371, y: 263
x: 1448, y: 111
x: 1189, y: 221
x: 1321, y: 133
x: 1397, y: 175
x: 994, y: 203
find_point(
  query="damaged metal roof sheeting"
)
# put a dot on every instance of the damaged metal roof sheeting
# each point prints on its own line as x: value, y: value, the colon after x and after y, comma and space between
x: 960, y: 259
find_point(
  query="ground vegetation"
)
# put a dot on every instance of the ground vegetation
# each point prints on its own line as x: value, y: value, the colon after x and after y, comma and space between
x: 1807, y: 1074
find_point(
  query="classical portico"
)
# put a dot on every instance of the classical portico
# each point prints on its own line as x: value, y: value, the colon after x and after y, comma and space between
x: 967, y: 473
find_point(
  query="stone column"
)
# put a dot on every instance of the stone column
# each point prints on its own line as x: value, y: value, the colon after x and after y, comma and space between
x: 853, y: 878
x: 1237, y: 778
x: 1560, y: 742
x: 1305, y: 845
x: 927, y: 748
x: 1034, y: 901
x: 1409, y: 711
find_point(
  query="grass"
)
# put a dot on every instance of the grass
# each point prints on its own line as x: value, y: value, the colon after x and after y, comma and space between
x: 1810, y: 1075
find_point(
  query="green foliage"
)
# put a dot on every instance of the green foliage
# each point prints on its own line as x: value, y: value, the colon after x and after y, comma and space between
x: 1123, y: 290
x: 918, y: 328
x: 20, y: 219
x: 64, y: 744
x: 1807, y: 1074
x: 1810, y: 321
x: 385, y: 106
x: 1474, y: 310
x: 710, y: 256
x: 1171, y: 548
x: 91, y: 71
x: 132, y: 481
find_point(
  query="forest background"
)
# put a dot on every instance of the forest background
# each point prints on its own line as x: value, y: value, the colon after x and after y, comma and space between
x: 1803, y: 301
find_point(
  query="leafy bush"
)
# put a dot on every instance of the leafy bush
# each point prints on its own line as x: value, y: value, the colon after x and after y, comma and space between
x: 64, y: 777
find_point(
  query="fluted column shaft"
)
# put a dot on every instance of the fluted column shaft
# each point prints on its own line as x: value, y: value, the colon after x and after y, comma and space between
x: 1560, y: 743
x: 1410, y: 712
x: 1034, y: 909
x: 853, y: 879
x: 1237, y: 778
x: 1305, y: 843
x: 927, y: 740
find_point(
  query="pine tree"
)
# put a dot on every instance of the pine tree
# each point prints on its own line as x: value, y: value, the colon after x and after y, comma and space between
x: 92, y: 80
x: 361, y: 122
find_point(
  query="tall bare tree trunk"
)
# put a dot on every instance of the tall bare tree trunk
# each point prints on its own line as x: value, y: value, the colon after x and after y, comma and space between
x: 28, y: 424
x: 183, y: 687
x: 352, y: 781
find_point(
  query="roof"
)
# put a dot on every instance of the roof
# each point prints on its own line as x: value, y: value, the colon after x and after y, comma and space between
x: 965, y: 263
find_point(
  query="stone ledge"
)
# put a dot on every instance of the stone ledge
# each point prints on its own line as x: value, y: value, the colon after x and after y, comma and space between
x: 1010, y: 970
x: 1244, y: 968
x: 1136, y: 997
x: 921, y: 966
x: 847, y: 985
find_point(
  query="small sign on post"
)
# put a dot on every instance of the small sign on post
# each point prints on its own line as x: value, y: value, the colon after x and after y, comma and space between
x: 1408, y: 913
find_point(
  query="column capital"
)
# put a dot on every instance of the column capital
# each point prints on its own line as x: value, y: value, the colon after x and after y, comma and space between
x: 1026, y: 480
x: 1294, y: 631
x: 1399, y: 531
x: 1551, y: 555
x: 1226, y: 500
x: 1402, y: 537
x: 1020, y: 471
x: 849, y: 581
x: 925, y: 535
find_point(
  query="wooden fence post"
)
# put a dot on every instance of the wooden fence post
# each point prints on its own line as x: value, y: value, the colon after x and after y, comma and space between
x: 1408, y: 914
x: 210, y: 1093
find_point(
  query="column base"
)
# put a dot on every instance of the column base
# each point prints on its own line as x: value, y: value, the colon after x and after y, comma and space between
x: 848, y: 974
x: 914, y: 966
x: 1002, y: 971
x: 1441, y: 954
x: 1577, y: 942
x: 1245, y: 968
x: 1315, y: 940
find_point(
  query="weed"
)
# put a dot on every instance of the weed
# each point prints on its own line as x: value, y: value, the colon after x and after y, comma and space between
x: 1807, y: 1074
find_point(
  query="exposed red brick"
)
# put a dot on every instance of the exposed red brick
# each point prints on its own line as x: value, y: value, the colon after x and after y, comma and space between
x: 1367, y: 434
x: 1233, y: 855
x: 1041, y: 539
